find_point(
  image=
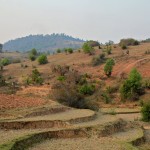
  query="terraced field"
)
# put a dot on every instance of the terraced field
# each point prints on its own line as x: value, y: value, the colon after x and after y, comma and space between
x: 71, y: 129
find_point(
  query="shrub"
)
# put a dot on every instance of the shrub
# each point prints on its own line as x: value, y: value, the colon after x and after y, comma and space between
x: 68, y: 92
x: 61, y: 78
x: 87, y: 89
x: 128, y: 42
x: 42, y: 59
x: 112, y: 89
x: 109, y: 67
x: 146, y: 112
x: 5, y: 62
x: 109, y: 50
x: 58, y: 50
x: 34, y: 78
x: 60, y: 70
x: 106, y: 97
x: 32, y: 57
x: 132, y: 87
x: 2, y: 80
x: 70, y: 50
x: 88, y: 49
x: 93, y: 43
x: 17, y: 60
x: 146, y: 83
x: 147, y: 52
x: 124, y: 47
x: 1, y: 47
x: 98, y: 59
x: 33, y: 54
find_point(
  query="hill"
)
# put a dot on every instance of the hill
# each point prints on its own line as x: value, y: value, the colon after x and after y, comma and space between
x: 43, y: 43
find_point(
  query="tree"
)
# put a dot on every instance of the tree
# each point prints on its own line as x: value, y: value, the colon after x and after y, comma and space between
x: 58, y: 50
x: 132, y: 87
x: 33, y: 54
x: 109, y: 67
x: 32, y: 57
x: 5, y: 62
x: 70, y: 50
x: 42, y: 59
x: 1, y: 47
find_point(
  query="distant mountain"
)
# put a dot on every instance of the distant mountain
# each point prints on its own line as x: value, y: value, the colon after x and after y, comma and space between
x: 43, y: 43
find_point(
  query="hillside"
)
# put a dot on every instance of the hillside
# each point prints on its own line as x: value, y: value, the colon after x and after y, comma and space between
x: 43, y: 43
x: 31, y: 113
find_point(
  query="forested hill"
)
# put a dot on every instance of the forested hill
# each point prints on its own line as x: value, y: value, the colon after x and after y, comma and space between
x: 43, y: 43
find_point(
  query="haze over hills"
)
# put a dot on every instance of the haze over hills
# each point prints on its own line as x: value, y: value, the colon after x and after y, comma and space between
x: 43, y: 43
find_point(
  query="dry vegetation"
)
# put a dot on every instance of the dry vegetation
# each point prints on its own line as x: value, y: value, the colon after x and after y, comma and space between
x: 73, y: 80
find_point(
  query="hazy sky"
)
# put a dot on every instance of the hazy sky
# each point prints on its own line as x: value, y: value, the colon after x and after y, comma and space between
x: 100, y: 20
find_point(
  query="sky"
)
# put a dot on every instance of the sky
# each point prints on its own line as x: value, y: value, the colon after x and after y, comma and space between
x: 100, y: 20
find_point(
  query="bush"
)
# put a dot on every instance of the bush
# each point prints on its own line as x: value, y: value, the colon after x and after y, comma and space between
x: 147, y: 52
x: 146, y: 112
x: 146, y: 83
x: 5, y: 62
x: 70, y: 50
x: 124, y: 47
x: 112, y: 89
x: 69, y: 92
x: 128, y: 42
x: 109, y: 67
x: 34, y: 78
x: 109, y: 50
x: 87, y: 48
x: 106, y: 98
x: 61, y: 78
x: 32, y: 57
x: 33, y: 54
x: 132, y: 87
x: 58, y: 50
x: 93, y: 43
x: 17, y: 60
x: 87, y: 89
x: 42, y: 59
x: 2, y: 80
x: 98, y: 59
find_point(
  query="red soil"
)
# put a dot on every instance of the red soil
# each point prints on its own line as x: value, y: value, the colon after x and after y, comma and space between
x: 13, y: 101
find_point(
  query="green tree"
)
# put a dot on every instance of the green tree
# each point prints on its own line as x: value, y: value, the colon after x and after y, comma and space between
x: 132, y: 87
x: 58, y: 50
x: 70, y: 50
x: 42, y: 59
x: 32, y: 57
x: 5, y: 62
x: 1, y: 47
x: 34, y: 52
x: 109, y: 67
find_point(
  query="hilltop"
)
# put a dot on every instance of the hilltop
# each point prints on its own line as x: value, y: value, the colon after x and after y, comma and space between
x: 43, y: 43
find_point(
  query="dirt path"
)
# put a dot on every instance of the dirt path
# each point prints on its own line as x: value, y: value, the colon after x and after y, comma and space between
x: 126, y: 68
